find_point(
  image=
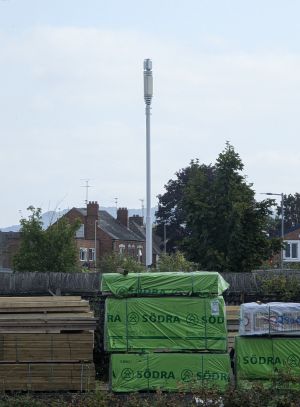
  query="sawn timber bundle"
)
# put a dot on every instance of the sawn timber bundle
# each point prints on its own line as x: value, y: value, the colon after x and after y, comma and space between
x: 46, y: 344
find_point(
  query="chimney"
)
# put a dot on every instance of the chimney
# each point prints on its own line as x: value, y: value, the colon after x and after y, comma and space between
x: 137, y: 219
x: 92, y: 215
x: 122, y: 216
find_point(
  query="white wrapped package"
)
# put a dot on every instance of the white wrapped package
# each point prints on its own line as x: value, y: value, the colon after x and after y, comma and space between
x: 274, y: 318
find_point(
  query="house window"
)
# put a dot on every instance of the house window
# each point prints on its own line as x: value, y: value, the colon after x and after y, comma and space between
x: 80, y: 231
x: 83, y: 254
x: 91, y: 254
x: 291, y: 251
x: 121, y: 248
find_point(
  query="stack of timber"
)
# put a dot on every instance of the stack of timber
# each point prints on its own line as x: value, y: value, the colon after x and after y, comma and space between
x: 268, y: 346
x: 46, y: 344
x: 166, y: 331
x: 233, y: 320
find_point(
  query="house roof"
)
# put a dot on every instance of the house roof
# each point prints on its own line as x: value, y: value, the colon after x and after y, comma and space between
x: 141, y: 232
x: 113, y: 227
x: 292, y: 229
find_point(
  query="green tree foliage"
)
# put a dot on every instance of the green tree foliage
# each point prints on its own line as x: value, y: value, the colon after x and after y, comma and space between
x: 111, y: 262
x: 53, y: 249
x: 279, y: 287
x: 175, y: 262
x: 170, y: 212
x: 222, y: 226
x: 291, y: 205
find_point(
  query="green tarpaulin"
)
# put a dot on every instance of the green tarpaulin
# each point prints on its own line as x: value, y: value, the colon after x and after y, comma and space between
x: 262, y: 359
x: 166, y: 323
x: 200, y: 283
x: 168, y: 371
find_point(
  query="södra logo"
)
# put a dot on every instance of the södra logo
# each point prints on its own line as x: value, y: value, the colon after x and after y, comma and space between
x: 169, y: 319
x: 155, y: 374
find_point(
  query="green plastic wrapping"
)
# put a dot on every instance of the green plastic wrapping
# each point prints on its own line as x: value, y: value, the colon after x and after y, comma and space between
x: 168, y: 371
x: 266, y: 359
x: 165, y: 324
x: 200, y: 283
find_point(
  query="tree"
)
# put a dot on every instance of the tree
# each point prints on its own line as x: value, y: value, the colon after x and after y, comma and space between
x: 175, y: 262
x: 291, y: 205
x: 53, y: 249
x: 170, y: 213
x: 224, y: 227
x: 111, y: 262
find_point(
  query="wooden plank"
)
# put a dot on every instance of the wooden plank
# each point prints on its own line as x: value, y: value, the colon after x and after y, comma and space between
x: 41, y: 347
x: 49, y: 298
x: 48, y: 315
x: 47, y: 376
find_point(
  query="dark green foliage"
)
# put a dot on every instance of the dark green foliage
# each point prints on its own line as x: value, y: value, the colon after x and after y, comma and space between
x: 280, y: 288
x: 217, y: 222
x: 53, y: 249
x: 170, y: 211
x: 291, y: 204
x: 175, y: 262
x: 111, y: 262
x: 257, y: 396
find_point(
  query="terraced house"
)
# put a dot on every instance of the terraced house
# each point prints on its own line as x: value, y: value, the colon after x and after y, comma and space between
x: 100, y: 234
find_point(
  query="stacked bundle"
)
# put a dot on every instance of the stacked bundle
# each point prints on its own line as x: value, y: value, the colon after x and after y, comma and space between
x: 233, y: 317
x: 269, y: 345
x: 46, y: 344
x: 153, y: 315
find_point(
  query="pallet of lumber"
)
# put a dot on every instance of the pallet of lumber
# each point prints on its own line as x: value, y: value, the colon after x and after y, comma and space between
x: 233, y: 320
x: 47, y: 377
x: 46, y: 344
x: 74, y: 347
x: 43, y: 304
x: 45, y: 315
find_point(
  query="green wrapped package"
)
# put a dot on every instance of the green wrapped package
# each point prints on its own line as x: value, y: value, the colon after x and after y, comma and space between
x: 168, y: 371
x: 199, y: 283
x: 165, y: 324
x: 266, y: 359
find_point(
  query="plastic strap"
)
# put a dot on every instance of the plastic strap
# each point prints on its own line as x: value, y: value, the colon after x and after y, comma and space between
x: 205, y: 325
x: 148, y: 379
x: 126, y: 311
x: 29, y: 374
x: 17, y: 349
x: 272, y: 344
x: 51, y: 373
x: 202, y: 367
x: 51, y: 356
x: 192, y: 278
x: 81, y: 378
x: 1, y: 347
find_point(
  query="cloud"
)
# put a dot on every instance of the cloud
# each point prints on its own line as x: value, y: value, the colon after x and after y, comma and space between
x: 72, y: 107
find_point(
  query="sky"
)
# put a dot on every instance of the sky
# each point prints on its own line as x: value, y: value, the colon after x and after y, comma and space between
x: 72, y: 108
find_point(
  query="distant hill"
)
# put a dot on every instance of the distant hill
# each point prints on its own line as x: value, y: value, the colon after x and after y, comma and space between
x: 52, y: 216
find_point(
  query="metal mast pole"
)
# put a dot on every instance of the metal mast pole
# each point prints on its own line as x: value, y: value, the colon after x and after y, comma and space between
x: 282, y: 229
x: 148, y: 93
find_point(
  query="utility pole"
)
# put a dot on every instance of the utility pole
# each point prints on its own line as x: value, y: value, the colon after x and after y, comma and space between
x: 148, y: 93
